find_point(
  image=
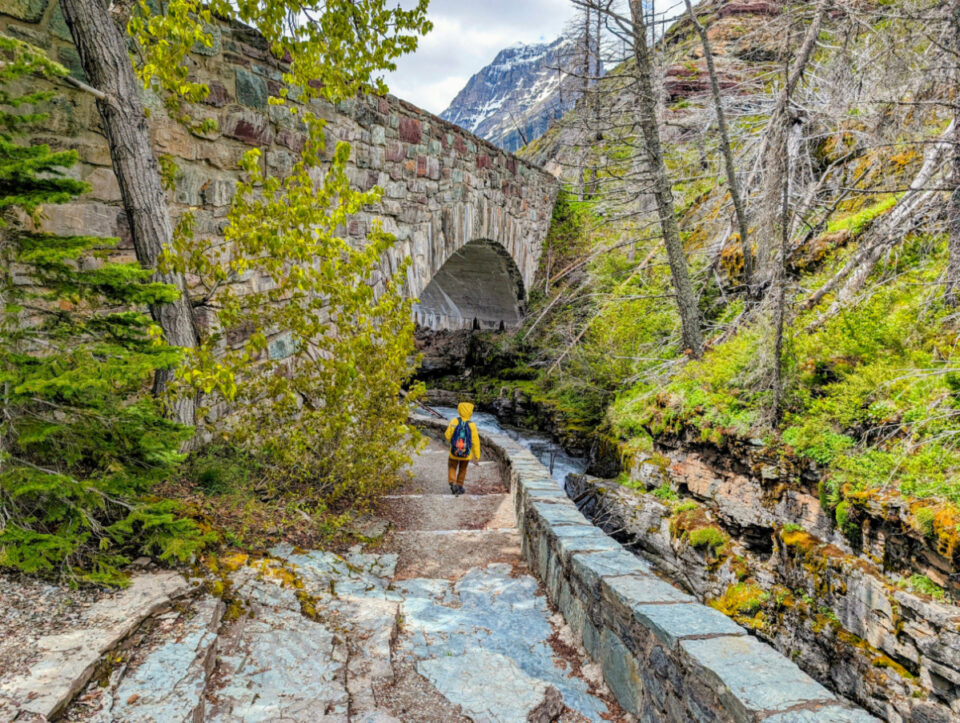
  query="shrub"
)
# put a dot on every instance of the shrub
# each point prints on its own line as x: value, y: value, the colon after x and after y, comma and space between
x: 665, y: 492
x: 315, y: 386
x: 925, y: 586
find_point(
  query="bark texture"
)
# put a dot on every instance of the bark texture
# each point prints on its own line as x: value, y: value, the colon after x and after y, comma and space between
x: 953, y: 208
x: 725, y: 148
x: 106, y: 62
x: 647, y: 110
x: 774, y: 153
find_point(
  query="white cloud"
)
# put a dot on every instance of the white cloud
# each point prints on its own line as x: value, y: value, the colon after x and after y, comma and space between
x: 468, y: 34
x: 465, y: 38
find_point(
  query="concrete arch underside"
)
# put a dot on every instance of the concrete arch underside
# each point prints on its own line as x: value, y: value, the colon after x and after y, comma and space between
x: 479, y: 286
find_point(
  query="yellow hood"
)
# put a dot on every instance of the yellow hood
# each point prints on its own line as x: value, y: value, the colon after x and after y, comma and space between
x: 465, y: 410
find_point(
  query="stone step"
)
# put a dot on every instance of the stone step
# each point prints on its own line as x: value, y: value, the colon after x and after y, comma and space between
x: 166, y: 677
x: 449, y: 554
x: 444, y: 512
x: 64, y: 663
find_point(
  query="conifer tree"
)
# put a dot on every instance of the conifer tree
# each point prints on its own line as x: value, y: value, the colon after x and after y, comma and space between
x: 82, y: 442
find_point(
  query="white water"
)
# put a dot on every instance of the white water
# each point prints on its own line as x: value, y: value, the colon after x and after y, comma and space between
x: 550, y: 454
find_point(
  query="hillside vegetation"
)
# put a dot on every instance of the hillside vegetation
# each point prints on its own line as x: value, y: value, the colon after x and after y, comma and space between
x: 868, y: 368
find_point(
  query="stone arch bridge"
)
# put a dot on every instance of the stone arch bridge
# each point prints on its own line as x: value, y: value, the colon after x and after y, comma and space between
x: 471, y: 217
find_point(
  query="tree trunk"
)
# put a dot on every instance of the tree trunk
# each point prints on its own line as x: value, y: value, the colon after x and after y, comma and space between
x: 774, y: 152
x: 647, y: 108
x: 106, y: 62
x: 726, y: 149
x: 953, y: 208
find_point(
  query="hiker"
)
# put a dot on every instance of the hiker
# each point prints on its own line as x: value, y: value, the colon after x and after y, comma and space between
x: 464, y: 445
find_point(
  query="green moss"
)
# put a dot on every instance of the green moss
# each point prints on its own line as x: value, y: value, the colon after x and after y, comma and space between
x: 846, y: 522
x: 712, y: 537
x: 685, y: 506
x: 924, y: 518
x: 742, y: 598
x: 857, y: 223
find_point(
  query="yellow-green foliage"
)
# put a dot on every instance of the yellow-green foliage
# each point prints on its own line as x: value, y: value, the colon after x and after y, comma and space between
x: 925, y: 586
x: 742, y: 598
x: 857, y: 223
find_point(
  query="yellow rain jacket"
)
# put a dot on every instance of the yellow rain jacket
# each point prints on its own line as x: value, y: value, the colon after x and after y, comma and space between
x: 465, y: 410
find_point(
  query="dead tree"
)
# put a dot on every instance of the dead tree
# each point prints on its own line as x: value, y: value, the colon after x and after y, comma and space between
x: 952, y: 285
x: 775, y: 148
x: 663, y: 191
x: 725, y: 148
x: 106, y: 62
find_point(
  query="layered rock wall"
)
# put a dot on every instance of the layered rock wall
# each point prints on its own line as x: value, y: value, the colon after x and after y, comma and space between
x: 798, y: 586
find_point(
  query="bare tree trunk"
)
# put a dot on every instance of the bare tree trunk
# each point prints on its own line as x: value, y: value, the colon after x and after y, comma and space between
x: 775, y: 146
x: 106, y: 62
x: 952, y: 291
x: 647, y: 108
x: 726, y: 149
x: 780, y: 310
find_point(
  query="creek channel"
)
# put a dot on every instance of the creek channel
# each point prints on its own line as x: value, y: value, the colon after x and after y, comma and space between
x: 548, y: 451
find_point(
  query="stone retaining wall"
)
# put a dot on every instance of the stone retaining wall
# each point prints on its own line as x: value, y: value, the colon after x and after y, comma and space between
x: 664, y: 656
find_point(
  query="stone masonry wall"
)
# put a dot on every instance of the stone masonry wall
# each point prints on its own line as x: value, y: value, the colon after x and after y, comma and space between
x: 443, y: 187
x: 664, y: 656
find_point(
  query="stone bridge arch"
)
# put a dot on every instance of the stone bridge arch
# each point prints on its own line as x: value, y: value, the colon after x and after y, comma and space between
x: 478, y: 286
x: 464, y: 211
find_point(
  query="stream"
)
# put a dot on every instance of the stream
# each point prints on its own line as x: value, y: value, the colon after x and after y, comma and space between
x: 545, y: 449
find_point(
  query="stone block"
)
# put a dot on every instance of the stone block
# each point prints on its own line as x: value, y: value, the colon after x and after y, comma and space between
x: 251, y: 89
x: 834, y: 713
x: 752, y: 676
x: 218, y: 96
x: 215, y: 39
x: 282, y: 347
x: 627, y: 592
x: 218, y: 192
x: 378, y: 135
x: 674, y: 622
x: 591, y: 567
x: 248, y: 126
x: 58, y: 24
x: 556, y: 514
x: 621, y: 672
x: 571, y: 539
x: 410, y: 130
x: 93, y: 219
x: 103, y: 185
x: 69, y: 58
x: 29, y: 10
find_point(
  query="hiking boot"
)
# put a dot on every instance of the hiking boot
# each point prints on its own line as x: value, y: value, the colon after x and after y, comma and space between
x: 459, y: 490
x: 453, y: 489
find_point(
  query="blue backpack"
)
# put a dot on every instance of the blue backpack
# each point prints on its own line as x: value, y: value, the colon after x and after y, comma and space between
x: 462, y: 440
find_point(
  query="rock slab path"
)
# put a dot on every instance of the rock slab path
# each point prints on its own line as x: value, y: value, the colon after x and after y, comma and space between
x: 437, y: 620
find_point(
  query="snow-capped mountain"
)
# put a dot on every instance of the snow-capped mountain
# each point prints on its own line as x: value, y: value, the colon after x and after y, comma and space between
x: 512, y: 101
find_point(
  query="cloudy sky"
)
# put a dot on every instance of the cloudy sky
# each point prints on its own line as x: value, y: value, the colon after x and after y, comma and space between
x: 467, y: 35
